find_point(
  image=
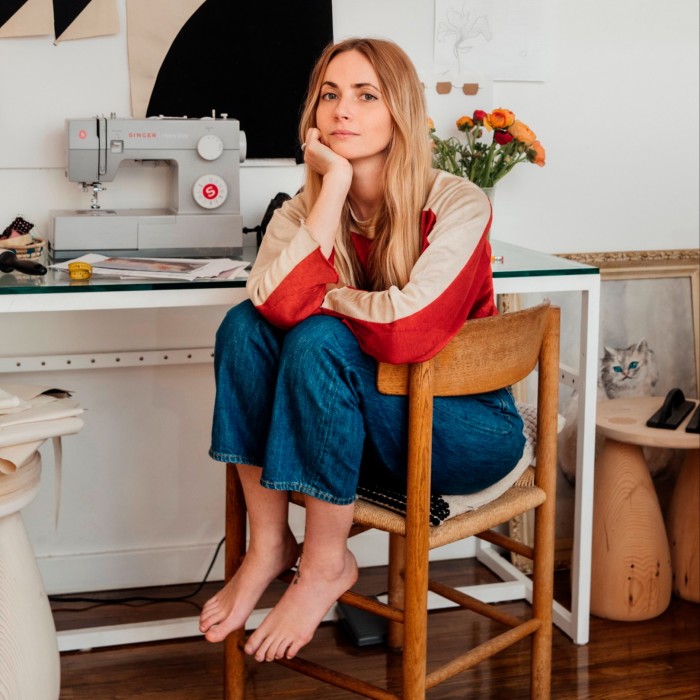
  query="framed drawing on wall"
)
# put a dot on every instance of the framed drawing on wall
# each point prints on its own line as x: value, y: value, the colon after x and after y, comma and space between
x: 653, y: 295
x: 649, y: 316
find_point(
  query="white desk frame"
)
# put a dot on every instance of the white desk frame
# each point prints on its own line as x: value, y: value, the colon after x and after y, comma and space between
x: 515, y: 584
x: 574, y: 622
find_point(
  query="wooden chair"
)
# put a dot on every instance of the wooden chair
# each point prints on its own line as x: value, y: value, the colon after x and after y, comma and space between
x: 485, y: 355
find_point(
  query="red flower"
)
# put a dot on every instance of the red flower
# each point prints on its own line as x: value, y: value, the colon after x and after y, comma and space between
x: 480, y: 116
x: 502, y: 137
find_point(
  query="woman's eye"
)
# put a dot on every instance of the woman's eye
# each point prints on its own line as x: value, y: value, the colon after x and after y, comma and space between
x: 328, y: 96
x: 367, y: 97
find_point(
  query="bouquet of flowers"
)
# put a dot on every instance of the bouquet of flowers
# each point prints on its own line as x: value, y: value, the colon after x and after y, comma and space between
x: 479, y: 161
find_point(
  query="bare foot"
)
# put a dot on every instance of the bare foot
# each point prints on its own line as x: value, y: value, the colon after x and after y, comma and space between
x: 292, y: 622
x: 229, y: 609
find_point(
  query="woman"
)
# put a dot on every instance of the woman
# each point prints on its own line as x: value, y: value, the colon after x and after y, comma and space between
x: 379, y: 258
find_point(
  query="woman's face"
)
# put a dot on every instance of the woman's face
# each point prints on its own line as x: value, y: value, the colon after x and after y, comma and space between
x: 352, y: 116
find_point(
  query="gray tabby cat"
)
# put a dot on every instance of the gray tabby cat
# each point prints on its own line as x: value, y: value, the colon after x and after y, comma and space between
x: 624, y: 372
x: 629, y: 371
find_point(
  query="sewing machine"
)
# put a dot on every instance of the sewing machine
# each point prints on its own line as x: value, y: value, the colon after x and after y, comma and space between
x: 203, y: 216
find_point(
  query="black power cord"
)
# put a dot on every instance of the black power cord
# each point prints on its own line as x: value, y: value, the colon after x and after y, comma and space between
x: 129, y: 600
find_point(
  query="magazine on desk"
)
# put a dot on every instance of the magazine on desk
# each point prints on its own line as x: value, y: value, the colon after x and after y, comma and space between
x: 160, y: 268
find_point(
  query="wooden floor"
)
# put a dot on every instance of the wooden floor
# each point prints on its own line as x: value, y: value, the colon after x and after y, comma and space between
x: 654, y: 659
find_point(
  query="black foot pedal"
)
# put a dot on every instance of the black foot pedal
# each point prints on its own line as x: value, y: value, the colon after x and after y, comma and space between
x: 364, y: 628
x: 694, y: 422
x: 675, y: 408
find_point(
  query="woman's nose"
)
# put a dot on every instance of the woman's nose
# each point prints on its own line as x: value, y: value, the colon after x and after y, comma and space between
x: 343, y: 108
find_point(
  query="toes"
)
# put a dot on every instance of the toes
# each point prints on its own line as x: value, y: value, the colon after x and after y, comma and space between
x: 252, y: 645
x: 208, y: 618
x: 295, y: 645
x: 271, y: 652
x: 291, y: 651
x: 215, y: 634
x: 263, y: 650
x: 261, y: 654
x: 280, y: 650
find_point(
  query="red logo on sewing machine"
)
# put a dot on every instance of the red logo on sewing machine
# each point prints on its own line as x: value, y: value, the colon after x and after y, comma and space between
x: 82, y: 134
x: 210, y: 191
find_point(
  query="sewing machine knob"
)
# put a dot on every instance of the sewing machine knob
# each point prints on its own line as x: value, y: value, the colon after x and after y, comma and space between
x: 210, y: 191
x: 210, y: 147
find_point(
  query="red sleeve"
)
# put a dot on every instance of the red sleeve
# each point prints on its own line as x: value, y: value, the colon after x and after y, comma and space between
x: 422, y: 335
x: 301, y: 293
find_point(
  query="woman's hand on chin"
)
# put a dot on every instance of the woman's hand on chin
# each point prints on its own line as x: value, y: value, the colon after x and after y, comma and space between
x: 322, y: 159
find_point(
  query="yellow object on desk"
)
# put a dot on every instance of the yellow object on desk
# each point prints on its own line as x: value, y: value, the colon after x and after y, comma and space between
x: 80, y: 270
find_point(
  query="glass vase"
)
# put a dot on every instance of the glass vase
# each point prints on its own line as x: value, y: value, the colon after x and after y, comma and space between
x: 490, y: 193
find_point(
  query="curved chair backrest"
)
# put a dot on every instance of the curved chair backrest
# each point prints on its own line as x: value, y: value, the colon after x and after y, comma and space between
x: 486, y: 354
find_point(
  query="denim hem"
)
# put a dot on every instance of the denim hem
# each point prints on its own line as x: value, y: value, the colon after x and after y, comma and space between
x: 230, y: 458
x: 307, y: 491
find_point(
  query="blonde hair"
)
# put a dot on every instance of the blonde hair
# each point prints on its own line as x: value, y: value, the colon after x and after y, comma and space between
x: 406, y: 175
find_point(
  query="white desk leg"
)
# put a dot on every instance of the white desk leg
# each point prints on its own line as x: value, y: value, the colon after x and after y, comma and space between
x: 585, y: 456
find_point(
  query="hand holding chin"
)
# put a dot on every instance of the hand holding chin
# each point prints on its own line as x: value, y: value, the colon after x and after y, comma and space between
x: 319, y: 157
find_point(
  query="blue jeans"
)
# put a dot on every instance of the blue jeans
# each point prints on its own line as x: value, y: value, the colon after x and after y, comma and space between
x: 303, y: 405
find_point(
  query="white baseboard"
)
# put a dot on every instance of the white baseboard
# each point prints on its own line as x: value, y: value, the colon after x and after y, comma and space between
x: 181, y: 564
x: 102, y: 571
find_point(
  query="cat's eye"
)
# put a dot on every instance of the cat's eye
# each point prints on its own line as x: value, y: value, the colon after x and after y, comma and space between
x: 617, y: 368
x: 634, y: 365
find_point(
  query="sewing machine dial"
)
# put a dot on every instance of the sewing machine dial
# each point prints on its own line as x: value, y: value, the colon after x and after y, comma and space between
x: 209, y: 191
x: 210, y: 147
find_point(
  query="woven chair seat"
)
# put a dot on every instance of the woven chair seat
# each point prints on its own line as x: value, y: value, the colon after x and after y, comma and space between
x: 501, y: 509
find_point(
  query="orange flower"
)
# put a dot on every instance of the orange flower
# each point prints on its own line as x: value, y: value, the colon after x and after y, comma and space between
x: 522, y: 133
x: 501, y: 118
x: 464, y: 123
x: 535, y: 153
x: 431, y: 124
x: 482, y: 158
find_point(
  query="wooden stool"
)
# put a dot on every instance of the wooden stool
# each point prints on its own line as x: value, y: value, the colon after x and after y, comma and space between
x: 29, y: 660
x: 684, y: 529
x: 631, y: 567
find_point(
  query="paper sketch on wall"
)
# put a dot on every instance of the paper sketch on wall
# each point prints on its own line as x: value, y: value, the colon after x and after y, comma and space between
x: 25, y: 18
x: 502, y: 39
x: 153, y: 27
x: 65, y: 19
x: 81, y: 19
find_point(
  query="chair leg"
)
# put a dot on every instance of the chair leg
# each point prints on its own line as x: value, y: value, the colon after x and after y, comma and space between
x: 543, y: 565
x: 234, y: 657
x: 542, y: 597
x: 415, y: 646
x: 411, y: 636
x: 397, y: 562
x: 415, y: 632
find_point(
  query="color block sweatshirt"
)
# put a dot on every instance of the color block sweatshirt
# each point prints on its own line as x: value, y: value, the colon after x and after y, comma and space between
x: 450, y: 282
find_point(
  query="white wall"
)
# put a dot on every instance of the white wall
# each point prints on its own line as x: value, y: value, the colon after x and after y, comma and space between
x: 618, y: 115
x: 142, y: 503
